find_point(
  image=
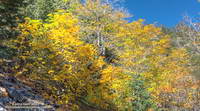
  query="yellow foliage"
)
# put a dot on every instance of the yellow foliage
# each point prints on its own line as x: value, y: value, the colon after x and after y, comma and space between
x: 62, y: 57
x: 53, y: 52
x: 145, y: 50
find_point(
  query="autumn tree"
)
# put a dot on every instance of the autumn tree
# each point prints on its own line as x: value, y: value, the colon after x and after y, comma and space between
x: 95, y: 17
x: 185, y: 35
x: 52, y: 55
x: 88, y: 54
x: 145, y: 50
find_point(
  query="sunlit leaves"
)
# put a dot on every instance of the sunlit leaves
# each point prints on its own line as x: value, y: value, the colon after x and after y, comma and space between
x: 67, y: 54
x: 61, y: 56
x: 145, y: 50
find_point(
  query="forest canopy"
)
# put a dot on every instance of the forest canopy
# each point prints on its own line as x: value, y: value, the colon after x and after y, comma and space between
x: 85, y: 55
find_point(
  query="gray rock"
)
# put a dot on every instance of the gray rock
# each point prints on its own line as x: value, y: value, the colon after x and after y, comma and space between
x: 5, y: 100
x: 7, y: 84
x: 16, y: 95
x: 19, y: 93
x: 2, y: 108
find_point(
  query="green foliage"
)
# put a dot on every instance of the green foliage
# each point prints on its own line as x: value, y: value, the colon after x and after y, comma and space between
x: 6, y: 52
x: 10, y: 16
x: 142, y: 101
x: 39, y: 9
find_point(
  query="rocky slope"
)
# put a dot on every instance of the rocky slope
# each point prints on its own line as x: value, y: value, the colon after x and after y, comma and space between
x: 14, y: 95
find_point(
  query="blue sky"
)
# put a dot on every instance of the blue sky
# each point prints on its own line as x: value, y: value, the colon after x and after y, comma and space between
x: 166, y: 12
